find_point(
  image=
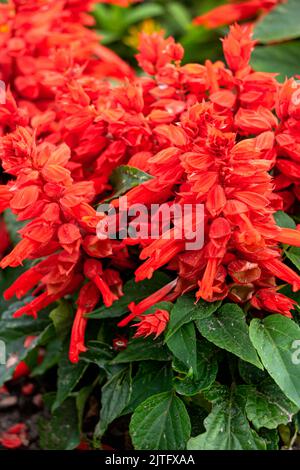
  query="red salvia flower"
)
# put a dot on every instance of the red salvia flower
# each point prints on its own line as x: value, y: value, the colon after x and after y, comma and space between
x: 237, y: 10
x: 15, y: 436
x: 152, y: 324
x: 87, y: 300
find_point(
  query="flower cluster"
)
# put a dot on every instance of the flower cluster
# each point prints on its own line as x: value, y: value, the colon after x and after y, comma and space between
x: 205, y: 133
x: 216, y: 138
x: 46, y: 46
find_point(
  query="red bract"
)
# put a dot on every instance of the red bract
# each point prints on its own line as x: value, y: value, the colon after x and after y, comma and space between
x: 237, y: 10
x: 287, y: 180
x: 152, y: 324
x: 14, y: 437
x: 120, y: 3
x: 44, y: 47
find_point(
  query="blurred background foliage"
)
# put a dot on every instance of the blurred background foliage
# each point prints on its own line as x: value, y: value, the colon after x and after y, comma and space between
x: 119, y: 27
x: 278, y: 32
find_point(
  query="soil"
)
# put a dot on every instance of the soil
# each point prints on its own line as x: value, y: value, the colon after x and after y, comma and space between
x: 16, y: 407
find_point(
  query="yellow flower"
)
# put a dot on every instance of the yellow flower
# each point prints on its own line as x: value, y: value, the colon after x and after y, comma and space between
x: 148, y: 26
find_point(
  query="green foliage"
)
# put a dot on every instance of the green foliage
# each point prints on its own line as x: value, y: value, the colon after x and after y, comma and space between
x: 61, y: 432
x: 161, y: 422
x: 227, y: 328
x: 227, y: 427
x: 274, y: 339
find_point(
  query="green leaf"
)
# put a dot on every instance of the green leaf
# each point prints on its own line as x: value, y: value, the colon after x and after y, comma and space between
x: 180, y: 14
x: 143, y: 12
x: 132, y: 290
x: 62, y: 318
x: 152, y: 377
x: 268, y: 407
x: 160, y: 423
x: 197, y: 416
x: 13, y: 225
x: 204, y: 374
x: 271, y: 438
x: 69, y: 375
x: 293, y: 254
x: 227, y: 328
x: 284, y: 220
x: 282, y: 23
x: 142, y: 349
x: 250, y: 373
x: 276, y: 339
x: 183, y: 346
x: 61, y: 432
x: 81, y: 398
x: 227, y: 427
x: 11, y: 354
x: 279, y: 58
x: 15, y: 352
x: 185, y: 311
x: 124, y: 178
x: 98, y: 353
x: 115, y: 397
x: 50, y: 359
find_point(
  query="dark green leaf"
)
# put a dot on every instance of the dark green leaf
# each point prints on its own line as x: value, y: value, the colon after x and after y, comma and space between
x: 143, y: 350
x: 62, y: 318
x: 282, y: 23
x: 227, y: 328
x: 271, y: 438
x: 124, y: 178
x: 293, y: 254
x: 183, y: 346
x: 13, y: 328
x: 276, y: 339
x: 250, y: 373
x: 185, y: 311
x: 13, y: 226
x: 278, y: 58
x: 68, y: 377
x: 152, y: 377
x: 267, y: 406
x: 81, y: 398
x: 284, y: 220
x: 61, y: 432
x: 227, y: 427
x: 98, y: 353
x: 50, y: 359
x: 160, y: 423
x: 115, y: 397
x: 204, y: 374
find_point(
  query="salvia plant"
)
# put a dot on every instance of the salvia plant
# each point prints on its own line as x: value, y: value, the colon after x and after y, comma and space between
x: 177, y: 342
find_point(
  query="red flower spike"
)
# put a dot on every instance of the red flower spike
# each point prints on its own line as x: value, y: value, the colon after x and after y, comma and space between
x: 272, y: 301
x: 228, y: 14
x: 88, y: 298
x: 141, y: 307
x: 93, y: 271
